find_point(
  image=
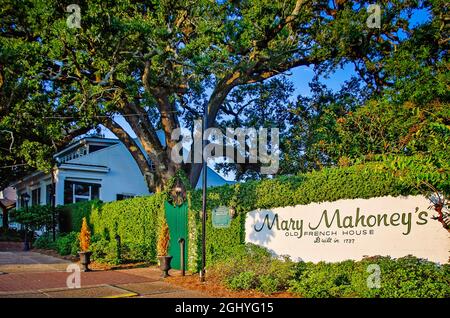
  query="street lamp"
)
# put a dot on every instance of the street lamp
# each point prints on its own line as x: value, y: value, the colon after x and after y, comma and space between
x: 26, y: 199
x: 204, y: 169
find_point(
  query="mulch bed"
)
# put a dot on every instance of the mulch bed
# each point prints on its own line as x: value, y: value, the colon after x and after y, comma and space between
x: 214, y: 288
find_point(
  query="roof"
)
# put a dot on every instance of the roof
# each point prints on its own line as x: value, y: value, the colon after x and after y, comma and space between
x: 84, y: 141
x: 8, y: 204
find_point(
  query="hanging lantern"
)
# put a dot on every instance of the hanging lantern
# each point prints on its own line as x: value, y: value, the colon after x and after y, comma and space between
x: 232, y: 212
x: 178, y: 193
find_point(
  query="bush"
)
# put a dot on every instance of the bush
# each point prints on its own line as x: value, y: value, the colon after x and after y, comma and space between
x: 44, y: 242
x: 324, y: 280
x: 11, y: 235
x: 253, y: 267
x: 67, y: 244
x: 403, y: 277
x: 268, y: 284
x: 242, y: 281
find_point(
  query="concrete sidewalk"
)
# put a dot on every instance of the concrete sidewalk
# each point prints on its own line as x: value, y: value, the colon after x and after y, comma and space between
x: 18, y: 262
x: 145, y: 282
x: 29, y: 274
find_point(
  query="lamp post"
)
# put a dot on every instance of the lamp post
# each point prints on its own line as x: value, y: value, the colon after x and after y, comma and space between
x: 204, y: 167
x: 53, y: 202
x: 26, y: 199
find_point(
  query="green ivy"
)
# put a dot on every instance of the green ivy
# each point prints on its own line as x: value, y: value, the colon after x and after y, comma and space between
x: 137, y: 220
x: 71, y: 215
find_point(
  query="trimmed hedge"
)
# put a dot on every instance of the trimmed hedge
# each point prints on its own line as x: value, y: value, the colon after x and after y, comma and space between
x: 71, y: 215
x: 408, y: 276
x: 137, y: 220
x: 251, y: 267
x: 332, y: 184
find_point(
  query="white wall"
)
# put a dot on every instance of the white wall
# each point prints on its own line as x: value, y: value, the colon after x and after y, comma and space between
x: 124, y: 175
x: 297, y: 237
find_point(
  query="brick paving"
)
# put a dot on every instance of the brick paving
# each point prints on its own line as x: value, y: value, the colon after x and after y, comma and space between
x: 38, y: 281
x: 36, y: 275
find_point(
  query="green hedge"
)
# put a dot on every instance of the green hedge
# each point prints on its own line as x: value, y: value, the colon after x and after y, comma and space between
x: 251, y: 267
x: 137, y: 220
x: 71, y: 215
x: 406, y: 277
x: 327, y: 185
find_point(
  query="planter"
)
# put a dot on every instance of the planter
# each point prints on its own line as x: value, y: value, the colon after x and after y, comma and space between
x: 164, y: 265
x: 85, y: 260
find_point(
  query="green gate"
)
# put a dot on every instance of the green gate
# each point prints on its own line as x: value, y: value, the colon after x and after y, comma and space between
x: 177, y: 220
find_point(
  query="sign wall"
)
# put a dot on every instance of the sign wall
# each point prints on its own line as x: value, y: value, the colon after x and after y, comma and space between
x: 351, y: 229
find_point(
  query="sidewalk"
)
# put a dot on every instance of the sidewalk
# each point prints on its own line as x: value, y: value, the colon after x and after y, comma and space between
x: 29, y: 274
x: 145, y: 282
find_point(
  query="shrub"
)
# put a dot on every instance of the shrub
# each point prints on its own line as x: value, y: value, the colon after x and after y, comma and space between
x: 242, y: 281
x: 67, y: 244
x: 254, y: 266
x: 34, y: 217
x: 268, y: 284
x: 403, y: 277
x: 44, y: 242
x: 10, y: 235
x: 324, y: 280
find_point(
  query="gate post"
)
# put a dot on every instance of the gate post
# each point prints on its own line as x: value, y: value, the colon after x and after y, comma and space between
x: 182, y: 251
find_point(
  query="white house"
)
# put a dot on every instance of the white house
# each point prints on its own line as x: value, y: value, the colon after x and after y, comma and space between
x: 91, y: 168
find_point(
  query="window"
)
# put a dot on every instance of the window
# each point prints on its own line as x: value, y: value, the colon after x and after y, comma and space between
x: 36, y: 196
x: 22, y: 201
x: 121, y: 196
x: 80, y: 191
x: 94, y: 148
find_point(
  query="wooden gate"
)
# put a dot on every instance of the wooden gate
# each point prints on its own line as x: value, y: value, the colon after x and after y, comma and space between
x: 177, y: 220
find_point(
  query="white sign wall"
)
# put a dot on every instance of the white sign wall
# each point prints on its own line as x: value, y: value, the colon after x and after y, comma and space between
x: 351, y: 229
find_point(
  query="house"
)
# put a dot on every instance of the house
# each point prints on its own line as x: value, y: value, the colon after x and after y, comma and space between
x: 7, y: 202
x: 91, y: 168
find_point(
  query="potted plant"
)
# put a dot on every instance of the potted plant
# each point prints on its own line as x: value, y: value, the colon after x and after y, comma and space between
x: 163, y: 248
x: 85, y: 242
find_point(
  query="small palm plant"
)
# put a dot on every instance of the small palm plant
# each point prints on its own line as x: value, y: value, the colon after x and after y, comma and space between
x: 163, y: 240
x: 85, y: 242
x: 85, y: 236
x: 163, y: 248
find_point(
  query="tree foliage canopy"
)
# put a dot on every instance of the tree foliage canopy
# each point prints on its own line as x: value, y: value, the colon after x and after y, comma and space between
x: 159, y: 64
